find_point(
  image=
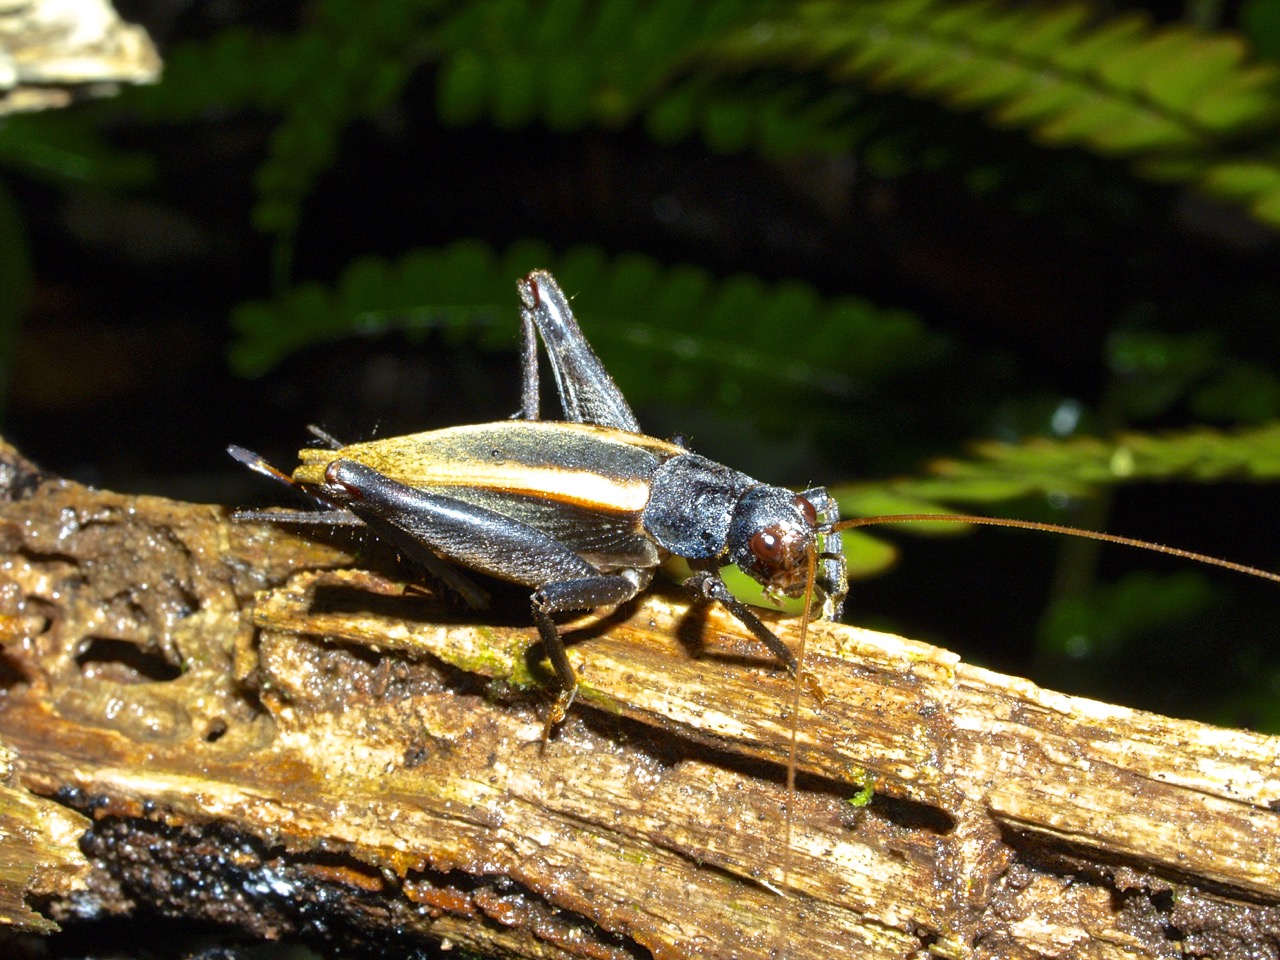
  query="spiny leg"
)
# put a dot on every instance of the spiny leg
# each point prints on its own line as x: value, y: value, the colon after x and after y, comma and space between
x: 336, y: 515
x: 587, y: 392
x: 708, y: 585
x: 833, y: 575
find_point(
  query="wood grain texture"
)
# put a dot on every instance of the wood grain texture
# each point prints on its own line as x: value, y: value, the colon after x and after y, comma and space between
x: 41, y: 856
x: 288, y: 734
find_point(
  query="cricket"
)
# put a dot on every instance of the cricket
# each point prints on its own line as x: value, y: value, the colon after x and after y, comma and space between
x: 584, y: 510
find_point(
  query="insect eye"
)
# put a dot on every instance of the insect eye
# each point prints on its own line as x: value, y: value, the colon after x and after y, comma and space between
x: 810, y: 514
x: 767, y: 547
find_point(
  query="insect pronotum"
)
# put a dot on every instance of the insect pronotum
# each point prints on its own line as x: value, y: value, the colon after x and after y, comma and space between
x: 584, y: 510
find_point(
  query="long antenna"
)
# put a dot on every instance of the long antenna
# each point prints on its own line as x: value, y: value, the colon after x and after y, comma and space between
x: 1058, y: 528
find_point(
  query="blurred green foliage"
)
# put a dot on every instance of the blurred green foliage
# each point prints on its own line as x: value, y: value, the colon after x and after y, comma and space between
x: 689, y: 338
x: 1083, y: 102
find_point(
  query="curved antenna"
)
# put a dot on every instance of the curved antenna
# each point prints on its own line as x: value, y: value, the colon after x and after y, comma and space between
x: 1059, y: 528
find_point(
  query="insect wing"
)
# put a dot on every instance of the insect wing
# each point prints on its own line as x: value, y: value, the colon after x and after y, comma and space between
x: 584, y: 485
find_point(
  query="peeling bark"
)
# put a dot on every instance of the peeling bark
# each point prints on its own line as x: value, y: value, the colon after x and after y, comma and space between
x: 289, y: 734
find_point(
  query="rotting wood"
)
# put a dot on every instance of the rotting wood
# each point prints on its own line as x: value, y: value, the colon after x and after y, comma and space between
x: 267, y: 736
x: 40, y: 857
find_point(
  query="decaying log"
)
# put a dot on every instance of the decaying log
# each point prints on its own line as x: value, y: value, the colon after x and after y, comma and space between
x: 274, y: 732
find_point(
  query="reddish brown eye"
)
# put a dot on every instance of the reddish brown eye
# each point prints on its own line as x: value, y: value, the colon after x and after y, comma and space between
x: 767, y: 546
x: 806, y: 508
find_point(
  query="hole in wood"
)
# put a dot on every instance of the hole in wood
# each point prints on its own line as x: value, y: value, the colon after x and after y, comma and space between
x: 119, y: 661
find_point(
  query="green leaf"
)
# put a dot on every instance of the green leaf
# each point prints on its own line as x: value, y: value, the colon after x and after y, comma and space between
x: 1179, y: 103
x: 1128, y: 67
x: 1266, y: 206
x: 1093, y: 47
x: 59, y: 149
x: 1242, y: 179
x: 462, y: 89
x: 515, y: 91
x: 876, y: 500
x: 1041, y: 34
x: 865, y: 556
x: 1038, y: 101
x: 1191, y: 63
x: 1236, y: 103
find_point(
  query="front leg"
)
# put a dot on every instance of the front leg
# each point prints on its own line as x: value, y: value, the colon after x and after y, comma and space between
x: 708, y: 585
x: 832, y: 575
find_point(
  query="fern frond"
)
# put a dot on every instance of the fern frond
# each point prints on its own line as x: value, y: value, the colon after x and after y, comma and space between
x: 1083, y: 465
x: 1079, y: 467
x: 61, y: 149
x: 1178, y: 103
x: 669, y: 334
x: 350, y: 61
x: 236, y: 69
x: 569, y: 63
